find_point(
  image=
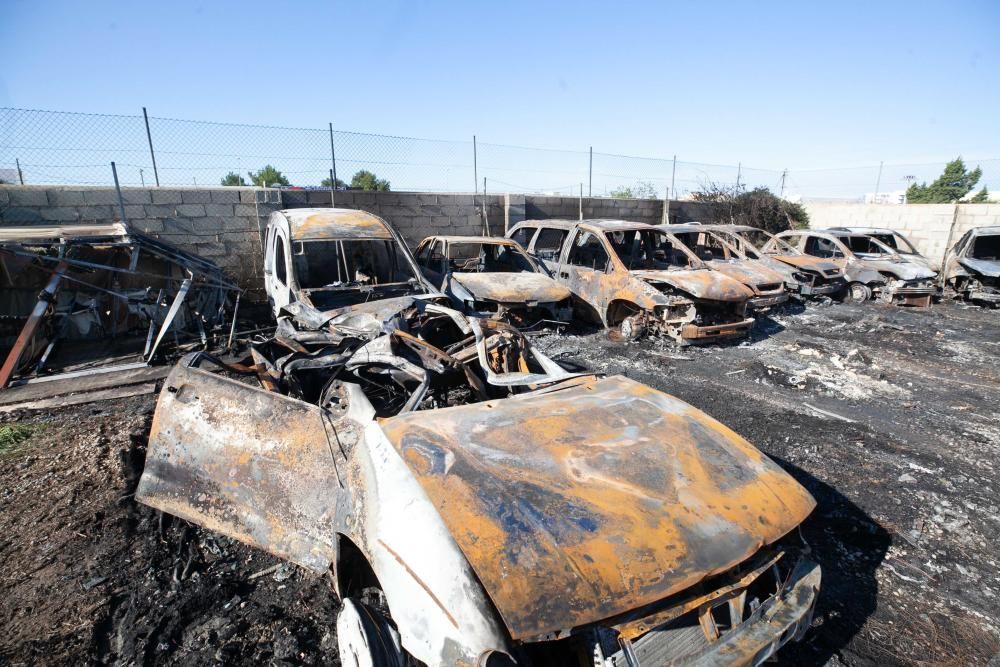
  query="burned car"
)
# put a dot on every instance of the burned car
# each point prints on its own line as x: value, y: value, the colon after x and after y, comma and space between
x: 476, y: 504
x: 972, y: 266
x: 804, y: 275
x: 635, y: 279
x: 767, y: 285
x: 893, y: 239
x: 493, y: 277
x: 872, y: 269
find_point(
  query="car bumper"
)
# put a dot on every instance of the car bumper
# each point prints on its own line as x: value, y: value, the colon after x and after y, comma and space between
x: 919, y: 297
x: 821, y: 290
x: 984, y: 295
x: 762, y: 302
x: 694, y: 332
x: 782, y: 619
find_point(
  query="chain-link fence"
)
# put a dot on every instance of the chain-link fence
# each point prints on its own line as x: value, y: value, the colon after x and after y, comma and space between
x: 46, y: 147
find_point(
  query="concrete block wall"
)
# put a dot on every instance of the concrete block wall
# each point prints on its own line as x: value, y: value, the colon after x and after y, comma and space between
x: 218, y: 223
x: 926, y: 225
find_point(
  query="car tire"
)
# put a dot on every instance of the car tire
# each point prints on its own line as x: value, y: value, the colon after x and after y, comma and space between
x: 366, y: 638
x: 857, y: 293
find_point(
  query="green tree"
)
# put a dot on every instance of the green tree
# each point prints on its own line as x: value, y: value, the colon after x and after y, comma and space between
x: 758, y: 208
x: 950, y: 186
x: 268, y: 175
x: 232, y: 178
x: 641, y: 190
x: 340, y: 184
x: 366, y: 180
x: 980, y: 197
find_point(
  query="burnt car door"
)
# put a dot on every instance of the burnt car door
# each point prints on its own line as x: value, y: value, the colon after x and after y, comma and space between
x: 548, y: 246
x: 276, y: 262
x: 584, y: 269
x: 430, y: 258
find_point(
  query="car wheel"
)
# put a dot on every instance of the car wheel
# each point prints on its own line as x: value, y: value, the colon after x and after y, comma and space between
x: 366, y: 638
x: 857, y: 293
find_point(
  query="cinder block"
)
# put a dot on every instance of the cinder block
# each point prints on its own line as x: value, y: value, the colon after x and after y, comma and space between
x: 135, y: 196
x: 19, y: 215
x: 240, y: 224
x: 190, y: 210
x: 453, y: 200
x: 318, y: 197
x: 4, y: 196
x: 160, y: 211
x: 246, y: 211
x: 226, y: 196
x: 209, y: 224
x: 181, y: 226
x: 212, y: 249
x: 27, y: 196
x: 60, y: 213
x: 101, y: 196
x: 133, y: 212
x: 60, y: 197
x: 91, y: 212
x: 149, y: 226
x: 248, y: 196
x: 219, y: 209
x: 160, y: 196
x: 194, y: 196
x: 295, y: 198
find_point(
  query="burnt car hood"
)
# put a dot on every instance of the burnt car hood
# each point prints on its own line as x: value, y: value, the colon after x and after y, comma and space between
x: 700, y: 283
x: 985, y: 267
x: 511, y: 287
x: 750, y: 273
x: 807, y: 263
x: 903, y: 270
x: 579, y: 504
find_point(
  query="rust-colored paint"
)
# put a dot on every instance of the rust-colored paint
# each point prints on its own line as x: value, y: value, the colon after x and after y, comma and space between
x: 512, y: 288
x: 568, y: 520
x: 335, y: 223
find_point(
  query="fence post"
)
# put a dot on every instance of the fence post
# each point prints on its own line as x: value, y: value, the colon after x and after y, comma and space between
x: 475, y: 168
x: 581, y: 201
x: 152, y: 154
x: 590, y: 176
x: 666, y: 207
x: 20, y: 176
x: 118, y: 189
x: 333, y: 160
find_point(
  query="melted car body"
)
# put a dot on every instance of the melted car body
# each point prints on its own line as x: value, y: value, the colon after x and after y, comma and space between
x: 475, y: 503
x: 767, y: 285
x: 972, y: 266
x: 804, y: 275
x: 872, y: 269
x: 635, y: 278
x: 493, y: 277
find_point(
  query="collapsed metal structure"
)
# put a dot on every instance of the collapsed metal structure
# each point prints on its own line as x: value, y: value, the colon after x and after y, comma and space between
x: 90, y: 289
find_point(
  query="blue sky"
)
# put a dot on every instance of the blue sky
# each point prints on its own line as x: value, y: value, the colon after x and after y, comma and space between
x: 773, y: 85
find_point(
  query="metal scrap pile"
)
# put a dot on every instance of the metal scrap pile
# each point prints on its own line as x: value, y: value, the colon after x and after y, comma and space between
x: 73, y: 294
x: 409, y: 353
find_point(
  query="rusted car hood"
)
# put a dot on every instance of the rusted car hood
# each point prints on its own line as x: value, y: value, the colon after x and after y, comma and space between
x: 903, y: 270
x: 750, y: 273
x: 700, y: 283
x: 986, y: 267
x: 579, y: 504
x: 512, y: 287
x: 806, y: 262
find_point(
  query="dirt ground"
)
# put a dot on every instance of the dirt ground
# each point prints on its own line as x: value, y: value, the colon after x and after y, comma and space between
x: 888, y: 416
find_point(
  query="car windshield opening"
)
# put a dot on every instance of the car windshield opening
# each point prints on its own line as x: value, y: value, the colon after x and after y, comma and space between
x: 641, y: 249
x: 349, y: 263
x: 986, y: 247
x: 863, y: 245
x: 487, y: 258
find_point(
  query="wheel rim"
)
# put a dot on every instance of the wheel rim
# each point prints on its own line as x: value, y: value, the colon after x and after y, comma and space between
x: 364, y: 637
x: 858, y: 292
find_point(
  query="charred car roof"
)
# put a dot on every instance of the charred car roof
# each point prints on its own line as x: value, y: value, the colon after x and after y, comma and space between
x: 311, y: 224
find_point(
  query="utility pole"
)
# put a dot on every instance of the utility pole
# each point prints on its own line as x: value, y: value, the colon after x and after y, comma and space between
x: 739, y: 172
x: 673, y: 174
x: 475, y: 168
x: 878, y: 182
x: 783, y: 174
x: 590, y: 177
x: 141, y: 179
